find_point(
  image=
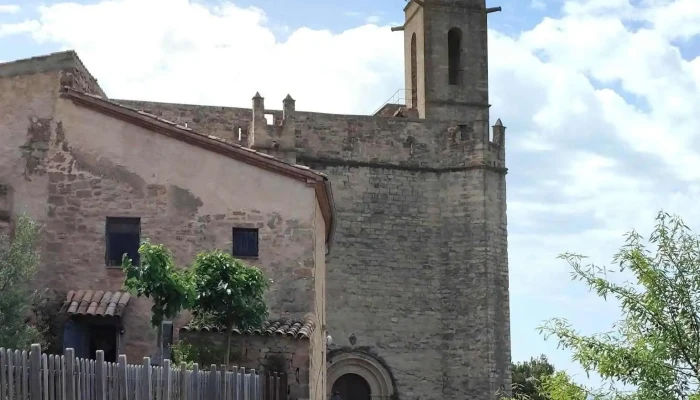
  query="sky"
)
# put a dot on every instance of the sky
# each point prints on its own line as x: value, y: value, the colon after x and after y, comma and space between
x: 599, y: 98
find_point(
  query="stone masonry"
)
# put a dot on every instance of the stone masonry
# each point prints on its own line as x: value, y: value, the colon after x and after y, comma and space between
x: 419, y: 271
x: 417, y: 278
x: 70, y: 167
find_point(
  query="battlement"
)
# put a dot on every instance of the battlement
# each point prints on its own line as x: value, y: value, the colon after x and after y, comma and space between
x: 340, y: 139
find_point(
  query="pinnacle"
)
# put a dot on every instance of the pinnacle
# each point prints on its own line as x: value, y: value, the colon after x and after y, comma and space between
x: 257, y: 96
x: 288, y: 98
x: 499, y: 123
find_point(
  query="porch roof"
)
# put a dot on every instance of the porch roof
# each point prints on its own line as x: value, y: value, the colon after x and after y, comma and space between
x: 95, y: 303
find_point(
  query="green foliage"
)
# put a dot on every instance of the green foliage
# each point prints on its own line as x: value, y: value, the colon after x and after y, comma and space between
x: 656, y: 346
x: 157, y: 278
x: 528, y: 375
x: 183, y: 352
x: 204, y: 353
x: 559, y: 386
x: 19, y: 259
x: 229, y: 292
x: 49, y: 322
x: 556, y: 386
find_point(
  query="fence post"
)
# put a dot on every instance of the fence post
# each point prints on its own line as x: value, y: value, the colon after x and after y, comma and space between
x: 222, y: 382
x: 146, y: 388
x: 100, y: 380
x: 35, y: 372
x: 195, y: 381
x: 166, y: 379
x: 122, y: 379
x: 211, y: 383
x: 183, y: 381
x: 246, y: 385
x: 70, y: 377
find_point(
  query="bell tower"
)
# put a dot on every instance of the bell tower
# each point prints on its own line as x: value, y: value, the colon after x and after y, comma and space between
x: 446, y: 58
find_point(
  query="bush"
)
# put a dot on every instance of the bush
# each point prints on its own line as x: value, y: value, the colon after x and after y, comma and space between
x: 19, y: 259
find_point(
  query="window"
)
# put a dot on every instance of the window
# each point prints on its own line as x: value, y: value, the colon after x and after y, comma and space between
x: 245, y: 242
x: 123, y: 237
x: 414, y: 73
x: 454, y: 50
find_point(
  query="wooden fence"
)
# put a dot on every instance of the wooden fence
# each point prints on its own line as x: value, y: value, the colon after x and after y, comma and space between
x: 36, y: 376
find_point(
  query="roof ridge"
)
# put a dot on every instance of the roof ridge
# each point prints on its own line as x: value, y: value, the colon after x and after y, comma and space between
x: 190, y: 130
x: 297, y: 328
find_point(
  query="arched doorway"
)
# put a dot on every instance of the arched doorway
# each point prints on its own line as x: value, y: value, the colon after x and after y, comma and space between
x: 352, y: 387
x: 358, y: 376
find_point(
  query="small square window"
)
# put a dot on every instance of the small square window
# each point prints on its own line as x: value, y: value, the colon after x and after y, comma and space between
x: 245, y: 242
x: 123, y: 236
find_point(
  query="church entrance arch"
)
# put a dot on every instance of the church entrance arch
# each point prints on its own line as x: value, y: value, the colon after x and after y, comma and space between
x: 351, y: 387
x: 358, y: 376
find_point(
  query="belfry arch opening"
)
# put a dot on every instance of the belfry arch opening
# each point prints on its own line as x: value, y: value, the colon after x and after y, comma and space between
x: 414, y: 73
x: 454, y: 55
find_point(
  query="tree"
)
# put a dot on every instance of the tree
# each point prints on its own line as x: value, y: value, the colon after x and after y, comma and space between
x: 157, y: 278
x: 555, y: 386
x: 528, y: 375
x: 655, y: 348
x: 229, y: 292
x: 19, y: 259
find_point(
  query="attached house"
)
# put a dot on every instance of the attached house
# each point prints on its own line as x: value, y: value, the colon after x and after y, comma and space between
x: 100, y: 177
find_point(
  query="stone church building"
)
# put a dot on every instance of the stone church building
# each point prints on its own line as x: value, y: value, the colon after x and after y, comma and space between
x: 386, y: 232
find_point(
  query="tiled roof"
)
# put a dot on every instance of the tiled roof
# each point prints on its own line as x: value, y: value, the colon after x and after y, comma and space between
x: 295, y: 328
x: 95, y: 302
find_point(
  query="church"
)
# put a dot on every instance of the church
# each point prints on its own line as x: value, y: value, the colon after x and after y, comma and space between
x: 386, y: 233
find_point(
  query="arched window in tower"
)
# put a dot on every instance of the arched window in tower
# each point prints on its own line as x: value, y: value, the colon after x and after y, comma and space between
x: 414, y: 73
x: 454, y: 50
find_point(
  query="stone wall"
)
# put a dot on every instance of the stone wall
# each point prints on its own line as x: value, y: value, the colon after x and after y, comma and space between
x: 271, y: 353
x: 418, y: 272
x: 70, y: 175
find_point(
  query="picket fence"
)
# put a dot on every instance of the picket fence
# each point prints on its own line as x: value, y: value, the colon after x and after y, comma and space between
x: 36, y: 376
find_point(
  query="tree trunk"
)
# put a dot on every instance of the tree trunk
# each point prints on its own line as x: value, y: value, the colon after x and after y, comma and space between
x: 227, y: 353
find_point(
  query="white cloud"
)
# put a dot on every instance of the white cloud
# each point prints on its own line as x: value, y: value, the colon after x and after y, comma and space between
x: 373, y: 19
x: 185, y: 52
x: 602, y: 127
x: 9, y: 8
x: 538, y: 4
x: 20, y: 27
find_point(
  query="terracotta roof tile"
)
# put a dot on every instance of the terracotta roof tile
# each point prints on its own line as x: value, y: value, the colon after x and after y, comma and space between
x: 95, y: 302
x: 295, y: 328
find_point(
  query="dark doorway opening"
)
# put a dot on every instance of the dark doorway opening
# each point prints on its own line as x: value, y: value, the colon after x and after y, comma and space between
x: 352, y: 387
x: 104, y: 338
x: 87, y: 338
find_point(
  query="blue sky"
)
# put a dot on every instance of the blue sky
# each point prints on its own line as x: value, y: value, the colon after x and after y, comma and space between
x: 599, y: 98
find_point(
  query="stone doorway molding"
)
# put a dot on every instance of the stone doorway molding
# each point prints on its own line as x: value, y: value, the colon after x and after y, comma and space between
x: 377, y: 376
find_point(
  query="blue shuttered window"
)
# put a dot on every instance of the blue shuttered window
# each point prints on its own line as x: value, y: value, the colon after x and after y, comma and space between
x: 123, y: 236
x: 245, y: 242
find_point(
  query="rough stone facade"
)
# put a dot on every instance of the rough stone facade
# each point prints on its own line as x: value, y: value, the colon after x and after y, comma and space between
x: 71, y: 160
x: 273, y: 353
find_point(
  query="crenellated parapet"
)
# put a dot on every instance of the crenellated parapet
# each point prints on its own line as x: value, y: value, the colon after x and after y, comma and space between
x: 475, y: 144
x: 277, y: 136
